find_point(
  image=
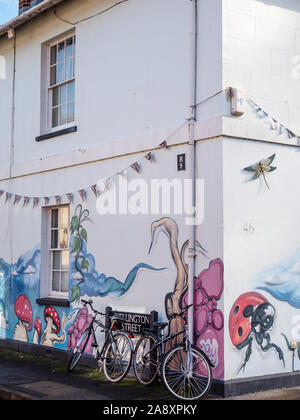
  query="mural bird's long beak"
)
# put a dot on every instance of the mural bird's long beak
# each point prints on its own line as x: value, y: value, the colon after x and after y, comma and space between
x: 201, y: 247
x: 151, y: 245
x: 153, y: 229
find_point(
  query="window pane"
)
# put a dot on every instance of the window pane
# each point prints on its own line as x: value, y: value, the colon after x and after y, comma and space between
x: 63, y: 114
x: 60, y: 77
x: 56, y: 281
x: 65, y: 260
x: 71, y: 91
x: 53, y: 56
x: 63, y: 94
x: 64, y: 281
x: 55, y: 96
x: 54, y: 218
x: 61, y: 51
x: 54, y: 239
x: 56, y: 260
x: 63, y: 239
x: 55, y: 117
x: 64, y: 217
x: 69, y: 69
x: 69, y: 48
x: 71, y: 116
x: 53, y: 76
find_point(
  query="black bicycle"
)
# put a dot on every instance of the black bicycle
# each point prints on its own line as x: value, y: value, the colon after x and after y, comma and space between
x: 116, y: 354
x: 185, y: 370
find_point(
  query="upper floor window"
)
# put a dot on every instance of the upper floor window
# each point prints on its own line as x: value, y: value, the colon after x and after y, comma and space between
x: 61, y: 87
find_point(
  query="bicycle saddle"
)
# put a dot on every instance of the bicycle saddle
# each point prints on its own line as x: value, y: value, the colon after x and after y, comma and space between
x: 117, y: 318
x: 160, y: 325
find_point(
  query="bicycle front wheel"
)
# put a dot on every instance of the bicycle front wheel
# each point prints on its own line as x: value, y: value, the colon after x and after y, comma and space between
x: 186, y: 374
x: 79, y: 350
x: 117, y: 357
x: 146, y: 360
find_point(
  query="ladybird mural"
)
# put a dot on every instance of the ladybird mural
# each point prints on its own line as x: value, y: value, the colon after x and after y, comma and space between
x: 251, y: 317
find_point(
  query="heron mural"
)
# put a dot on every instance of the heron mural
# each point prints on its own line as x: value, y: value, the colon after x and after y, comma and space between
x: 208, y: 290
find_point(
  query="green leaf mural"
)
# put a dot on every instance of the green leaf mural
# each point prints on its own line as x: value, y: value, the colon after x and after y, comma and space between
x: 79, y: 236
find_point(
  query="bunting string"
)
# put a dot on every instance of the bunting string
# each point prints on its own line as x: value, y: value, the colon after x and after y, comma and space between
x: 275, y: 125
x: 59, y: 198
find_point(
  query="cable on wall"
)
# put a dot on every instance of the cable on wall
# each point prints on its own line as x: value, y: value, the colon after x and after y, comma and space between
x: 89, y: 17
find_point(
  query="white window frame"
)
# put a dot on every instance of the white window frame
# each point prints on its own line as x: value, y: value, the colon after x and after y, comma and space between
x: 46, y: 90
x: 51, y: 293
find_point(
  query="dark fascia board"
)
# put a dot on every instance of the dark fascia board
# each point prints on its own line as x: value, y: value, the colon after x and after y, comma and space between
x: 57, y: 133
x: 65, y: 303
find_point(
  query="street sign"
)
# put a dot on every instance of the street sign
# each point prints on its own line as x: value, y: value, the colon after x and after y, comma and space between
x: 133, y: 322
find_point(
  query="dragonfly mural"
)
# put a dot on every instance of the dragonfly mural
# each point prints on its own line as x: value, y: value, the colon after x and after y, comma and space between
x: 260, y: 168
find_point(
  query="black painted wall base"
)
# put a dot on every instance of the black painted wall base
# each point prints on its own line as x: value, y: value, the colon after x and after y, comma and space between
x: 219, y: 388
x: 260, y: 383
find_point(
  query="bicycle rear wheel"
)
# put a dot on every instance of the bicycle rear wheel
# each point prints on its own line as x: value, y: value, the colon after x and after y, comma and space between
x: 145, y: 360
x: 117, y: 357
x: 79, y: 350
x: 187, y: 375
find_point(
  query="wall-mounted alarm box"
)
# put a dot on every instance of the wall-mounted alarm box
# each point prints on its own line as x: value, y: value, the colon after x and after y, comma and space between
x: 238, y: 102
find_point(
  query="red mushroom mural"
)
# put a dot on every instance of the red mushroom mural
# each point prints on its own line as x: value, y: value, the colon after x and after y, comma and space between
x: 23, y: 310
x: 53, y: 327
x: 37, y: 330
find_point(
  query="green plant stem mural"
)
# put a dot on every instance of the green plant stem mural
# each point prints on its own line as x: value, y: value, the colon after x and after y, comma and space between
x: 79, y: 236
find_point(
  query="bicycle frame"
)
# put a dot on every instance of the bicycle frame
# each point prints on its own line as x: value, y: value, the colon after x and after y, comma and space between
x: 92, y: 331
x: 161, y: 342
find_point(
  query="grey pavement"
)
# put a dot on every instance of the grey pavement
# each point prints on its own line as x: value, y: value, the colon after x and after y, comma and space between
x: 30, y: 377
x: 24, y: 376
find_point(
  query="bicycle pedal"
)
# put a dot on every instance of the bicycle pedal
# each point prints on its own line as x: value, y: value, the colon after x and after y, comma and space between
x: 95, y: 345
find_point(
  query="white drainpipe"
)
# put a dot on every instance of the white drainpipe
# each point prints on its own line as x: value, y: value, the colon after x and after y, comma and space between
x: 191, y: 162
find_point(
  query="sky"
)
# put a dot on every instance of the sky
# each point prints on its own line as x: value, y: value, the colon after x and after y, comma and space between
x: 8, y: 10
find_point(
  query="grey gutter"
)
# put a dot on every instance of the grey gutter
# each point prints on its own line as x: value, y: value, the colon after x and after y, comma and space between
x: 28, y: 15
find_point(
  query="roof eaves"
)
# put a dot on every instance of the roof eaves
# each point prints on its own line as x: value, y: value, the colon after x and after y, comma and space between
x: 28, y: 15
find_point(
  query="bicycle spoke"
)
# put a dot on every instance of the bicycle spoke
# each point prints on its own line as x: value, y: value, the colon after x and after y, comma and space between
x: 117, y: 358
x: 146, y: 360
x: 186, y: 374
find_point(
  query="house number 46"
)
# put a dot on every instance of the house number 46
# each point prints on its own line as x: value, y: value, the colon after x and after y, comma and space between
x: 248, y: 228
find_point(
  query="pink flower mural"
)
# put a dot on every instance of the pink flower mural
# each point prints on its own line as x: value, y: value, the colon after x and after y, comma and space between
x: 75, y: 331
x: 208, y: 318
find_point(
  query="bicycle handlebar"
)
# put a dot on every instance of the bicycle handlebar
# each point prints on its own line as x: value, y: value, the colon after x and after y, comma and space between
x: 90, y: 303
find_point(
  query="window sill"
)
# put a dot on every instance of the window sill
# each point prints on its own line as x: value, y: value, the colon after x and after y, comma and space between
x: 58, y: 133
x: 53, y: 302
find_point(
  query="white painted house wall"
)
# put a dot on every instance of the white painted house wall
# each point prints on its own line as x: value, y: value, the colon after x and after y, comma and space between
x: 133, y: 82
x: 260, y: 48
x: 132, y: 91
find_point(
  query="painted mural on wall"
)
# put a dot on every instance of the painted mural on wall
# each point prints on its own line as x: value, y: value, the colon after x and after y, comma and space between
x: 21, y: 318
x: 282, y: 280
x: 76, y: 330
x: 209, y: 320
x: 251, y: 318
x: 85, y: 279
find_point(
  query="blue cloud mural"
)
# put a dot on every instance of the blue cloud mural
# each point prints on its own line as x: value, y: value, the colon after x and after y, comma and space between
x: 94, y: 284
x: 282, y: 281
